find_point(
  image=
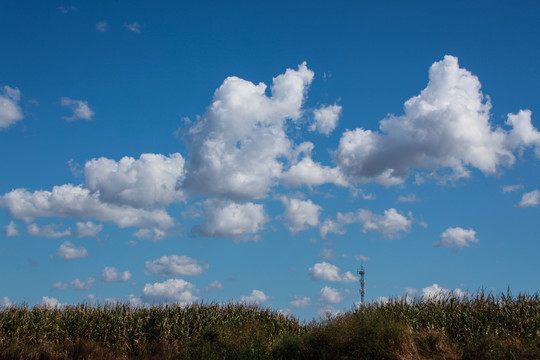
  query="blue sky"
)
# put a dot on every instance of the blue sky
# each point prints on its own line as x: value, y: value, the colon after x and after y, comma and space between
x: 262, y: 151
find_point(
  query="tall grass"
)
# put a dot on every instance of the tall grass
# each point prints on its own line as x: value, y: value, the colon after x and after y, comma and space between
x: 482, y: 326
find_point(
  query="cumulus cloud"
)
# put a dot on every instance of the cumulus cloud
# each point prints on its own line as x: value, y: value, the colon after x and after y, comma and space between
x: 80, y: 108
x: 446, y: 127
x: 326, y: 119
x: 11, y: 230
x: 329, y: 295
x: 134, y: 27
x: 78, y: 202
x: 172, y: 290
x: 111, y: 274
x: 530, y: 199
x: 10, y: 111
x: 300, y: 302
x: 437, y: 292
x: 310, y: 173
x: 256, y: 297
x: 223, y: 218
x: 50, y: 302
x: 47, y: 231
x: 214, y: 285
x: 174, y: 265
x: 326, y: 271
x: 76, y: 284
x: 102, y: 26
x: 154, y: 234
x: 457, y: 238
x: 69, y: 251
x: 390, y: 224
x: 5, y: 302
x: 300, y: 214
x: 236, y: 146
x: 88, y: 229
x: 150, y: 181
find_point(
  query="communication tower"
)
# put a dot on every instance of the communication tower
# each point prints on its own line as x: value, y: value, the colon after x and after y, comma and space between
x: 362, y: 272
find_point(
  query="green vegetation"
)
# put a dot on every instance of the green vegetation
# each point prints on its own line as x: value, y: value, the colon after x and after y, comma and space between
x: 478, y: 327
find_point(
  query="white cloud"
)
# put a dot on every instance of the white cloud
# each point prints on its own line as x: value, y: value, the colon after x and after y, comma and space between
x: 436, y: 292
x: 326, y: 119
x: 50, y: 302
x: 256, y: 297
x: 236, y: 147
x: 80, y: 108
x: 224, y: 218
x: 134, y: 27
x: 447, y: 126
x: 214, y: 285
x: 300, y: 214
x: 389, y: 225
x: 88, y: 229
x: 330, y: 226
x: 111, y: 274
x: 102, y: 26
x: 172, y: 290
x: 5, y: 302
x: 174, y: 265
x: 329, y: 295
x: 10, y: 111
x: 408, y: 198
x: 530, y: 199
x: 11, y: 230
x: 48, y: 231
x: 150, y: 181
x: 457, y: 238
x: 67, y: 9
x: 78, y: 202
x: 310, y: 173
x: 511, y: 188
x: 328, y: 253
x: 300, y: 302
x: 154, y: 234
x: 76, y: 284
x: 69, y: 251
x: 361, y: 258
x: 326, y: 271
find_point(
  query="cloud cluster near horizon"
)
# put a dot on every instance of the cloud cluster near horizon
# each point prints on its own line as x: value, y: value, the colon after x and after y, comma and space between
x: 239, y: 152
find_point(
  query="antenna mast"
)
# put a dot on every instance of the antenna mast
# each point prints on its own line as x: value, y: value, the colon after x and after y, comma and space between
x: 362, y: 272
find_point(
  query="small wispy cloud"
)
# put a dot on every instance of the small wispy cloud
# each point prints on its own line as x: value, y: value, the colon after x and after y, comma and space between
x: 408, y: 198
x: 134, y: 27
x: 530, y: 199
x: 511, y: 188
x: 67, y: 9
x: 80, y: 108
x: 102, y: 26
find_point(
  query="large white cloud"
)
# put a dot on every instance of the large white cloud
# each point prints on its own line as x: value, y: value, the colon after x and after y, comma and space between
x: 172, y: 290
x: 457, y: 238
x: 446, y: 126
x: 235, y: 147
x: 256, y: 297
x: 150, y: 181
x: 530, y: 199
x: 223, y: 218
x: 80, y: 109
x: 390, y: 224
x: 300, y: 214
x: 326, y: 271
x: 174, y: 265
x: 10, y: 112
x: 78, y: 202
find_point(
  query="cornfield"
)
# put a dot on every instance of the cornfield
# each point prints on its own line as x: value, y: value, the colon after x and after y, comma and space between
x: 482, y: 326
